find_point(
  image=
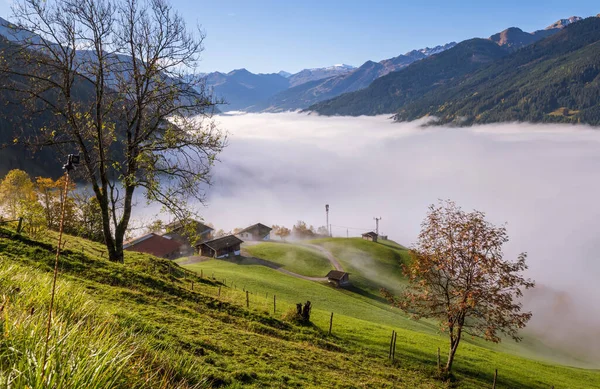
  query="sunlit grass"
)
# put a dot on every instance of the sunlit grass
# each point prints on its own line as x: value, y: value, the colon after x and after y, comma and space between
x: 154, y: 324
x: 297, y: 259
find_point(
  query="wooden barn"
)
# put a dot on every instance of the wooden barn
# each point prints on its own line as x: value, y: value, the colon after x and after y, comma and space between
x: 156, y: 245
x: 338, y: 278
x: 370, y: 236
x: 220, y: 247
x: 255, y: 232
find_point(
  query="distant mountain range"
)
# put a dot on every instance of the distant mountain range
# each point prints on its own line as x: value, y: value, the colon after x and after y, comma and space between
x: 514, y: 38
x: 304, y: 95
x: 284, y: 91
x: 389, y: 93
x: 552, y: 75
x: 243, y: 90
x: 554, y: 80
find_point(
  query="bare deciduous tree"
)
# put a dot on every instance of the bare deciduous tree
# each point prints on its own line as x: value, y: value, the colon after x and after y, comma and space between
x: 118, y: 78
x: 458, y: 275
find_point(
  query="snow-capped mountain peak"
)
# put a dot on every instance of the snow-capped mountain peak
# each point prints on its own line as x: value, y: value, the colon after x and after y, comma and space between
x: 562, y: 23
x: 428, y: 51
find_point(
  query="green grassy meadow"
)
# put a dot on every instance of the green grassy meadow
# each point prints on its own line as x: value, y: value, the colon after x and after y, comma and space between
x: 367, y: 323
x: 152, y: 323
x: 295, y: 258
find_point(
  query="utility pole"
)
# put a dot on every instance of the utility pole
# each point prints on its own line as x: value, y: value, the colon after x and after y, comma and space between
x: 328, y: 226
x: 377, y: 224
x: 72, y: 162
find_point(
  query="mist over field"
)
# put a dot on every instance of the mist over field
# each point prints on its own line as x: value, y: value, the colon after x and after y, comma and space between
x: 542, y: 180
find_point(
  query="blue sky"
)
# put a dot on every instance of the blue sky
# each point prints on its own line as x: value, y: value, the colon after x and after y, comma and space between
x: 268, y: 35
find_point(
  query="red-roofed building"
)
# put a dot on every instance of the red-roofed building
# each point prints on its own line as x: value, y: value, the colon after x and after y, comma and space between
x: 156, y: 245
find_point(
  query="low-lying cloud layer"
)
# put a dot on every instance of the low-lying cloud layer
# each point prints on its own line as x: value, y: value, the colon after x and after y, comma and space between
x: 542, y: 180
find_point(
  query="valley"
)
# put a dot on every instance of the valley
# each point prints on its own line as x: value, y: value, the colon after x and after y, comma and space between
x: 378, y: 195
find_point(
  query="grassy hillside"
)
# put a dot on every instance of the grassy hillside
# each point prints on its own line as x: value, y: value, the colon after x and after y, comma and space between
x: 295, y: 258
x: 361, y: 317
x: 554, y: 80
x: 146, y: 327
x: 371, y: 266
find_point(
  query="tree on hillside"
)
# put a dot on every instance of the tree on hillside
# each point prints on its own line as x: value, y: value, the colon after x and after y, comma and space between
x: 458, y: 275
x: 50, y: 194
x: 16, y: 193
x: 323, y: 231
x: 281, y: 231
x: 89, y: 222
x: 220, y: 233
x: 127, y: 100
x: 302, y: 231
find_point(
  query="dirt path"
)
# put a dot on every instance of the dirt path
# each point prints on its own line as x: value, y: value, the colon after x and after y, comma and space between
x: 333, y: 260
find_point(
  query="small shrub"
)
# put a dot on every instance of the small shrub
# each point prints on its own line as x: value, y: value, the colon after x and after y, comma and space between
x: 292, y: 316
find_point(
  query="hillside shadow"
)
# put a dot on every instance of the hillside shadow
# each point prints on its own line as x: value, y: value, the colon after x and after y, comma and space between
x: 365, y: 293
x: 247, y: 261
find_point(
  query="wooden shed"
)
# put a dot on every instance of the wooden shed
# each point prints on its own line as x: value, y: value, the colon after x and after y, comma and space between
x: 338, y: 278
x: 220, y: 247
x: 255, y: 232
x: 370, y: 236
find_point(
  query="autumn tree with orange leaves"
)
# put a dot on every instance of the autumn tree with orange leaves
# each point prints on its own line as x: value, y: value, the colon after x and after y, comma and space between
x: 459, y: 276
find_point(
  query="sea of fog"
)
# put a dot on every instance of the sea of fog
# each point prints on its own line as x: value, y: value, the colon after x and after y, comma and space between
x: 541, y: 180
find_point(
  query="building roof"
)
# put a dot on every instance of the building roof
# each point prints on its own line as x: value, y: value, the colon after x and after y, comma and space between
x: 221, y: 243
x: 370, y: 233
x: 257, y: 225
x: 177, y: 225
x: 153, y: 244
x: 336, y: 275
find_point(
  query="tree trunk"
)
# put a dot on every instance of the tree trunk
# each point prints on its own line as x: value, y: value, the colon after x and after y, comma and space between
x: 453, y: 347
x: 111, y: 248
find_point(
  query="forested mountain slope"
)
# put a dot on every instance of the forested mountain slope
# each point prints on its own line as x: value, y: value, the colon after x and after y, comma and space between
x: 554, y: 80
x: 389, y: 93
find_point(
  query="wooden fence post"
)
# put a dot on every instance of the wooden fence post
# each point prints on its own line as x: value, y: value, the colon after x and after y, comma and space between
x: 274, y: 304
x: 247, y: 300
x: 219, y: 290
x: 391, y: 344
x: 330, y: 323
x: 201, y: 273
x: 439, y: 361
x: 192, y: 285
x: 394, y: 348
x: 495, y: 378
